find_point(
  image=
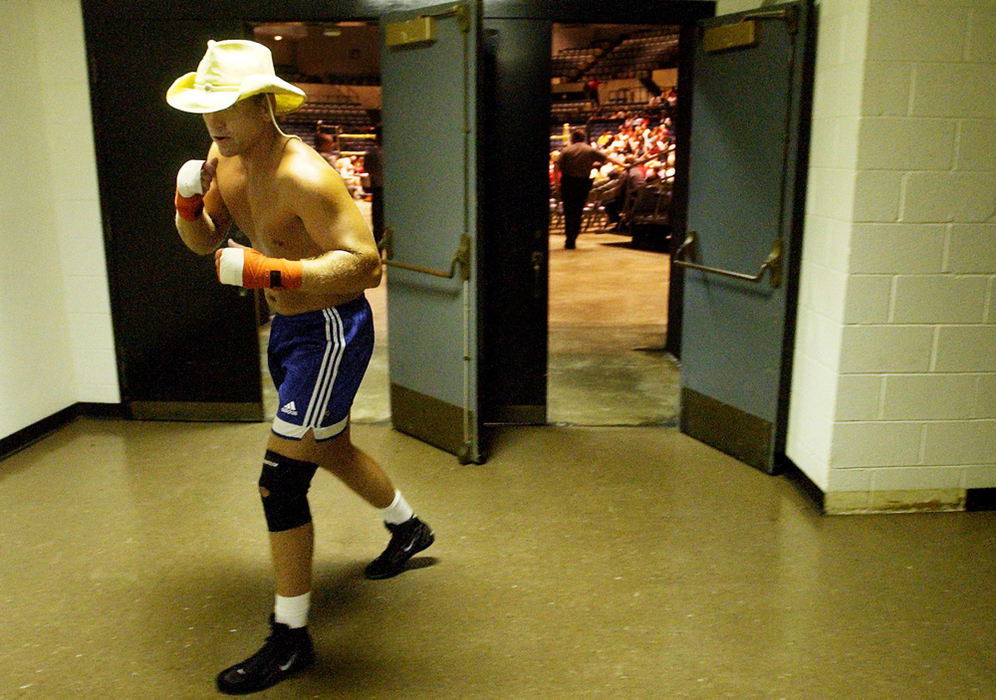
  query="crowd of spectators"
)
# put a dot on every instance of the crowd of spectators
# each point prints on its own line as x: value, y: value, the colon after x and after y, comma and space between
x: 636, y: 139
x: 350, y: 166
x: 631, y: 156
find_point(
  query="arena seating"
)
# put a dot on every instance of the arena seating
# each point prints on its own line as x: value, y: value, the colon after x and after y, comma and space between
x: 350, y: 117
x: 634, y: 55
x: 637, y: 55
x: 645, y: 214
x: 629, y: 57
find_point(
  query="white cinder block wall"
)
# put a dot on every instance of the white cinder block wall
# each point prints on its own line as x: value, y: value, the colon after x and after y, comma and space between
x: 816, y: 381
x: 56, y: 345
x: 68, y: 134
x: 894, y: 387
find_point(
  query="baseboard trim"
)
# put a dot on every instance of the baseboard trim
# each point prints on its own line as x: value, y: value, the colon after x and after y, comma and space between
x: 102, y: 410
x: 39, y: 430
x: 208, y: 411
x: 882, y: 502
x: 518, y: 415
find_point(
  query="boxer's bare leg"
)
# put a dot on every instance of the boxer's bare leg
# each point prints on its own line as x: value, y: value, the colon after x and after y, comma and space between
x: 292, y: 550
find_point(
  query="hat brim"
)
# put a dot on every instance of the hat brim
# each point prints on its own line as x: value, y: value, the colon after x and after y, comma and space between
x: 185, y: 96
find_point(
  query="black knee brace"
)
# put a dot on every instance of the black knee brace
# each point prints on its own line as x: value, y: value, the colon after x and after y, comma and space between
x: 285, y: 482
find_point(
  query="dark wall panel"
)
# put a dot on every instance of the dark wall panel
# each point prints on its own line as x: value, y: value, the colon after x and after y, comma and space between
x: 181, y: 337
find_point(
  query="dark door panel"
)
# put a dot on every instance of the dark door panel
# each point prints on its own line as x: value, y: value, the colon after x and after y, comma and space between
x: 516, y: 219
x: 186, y: 345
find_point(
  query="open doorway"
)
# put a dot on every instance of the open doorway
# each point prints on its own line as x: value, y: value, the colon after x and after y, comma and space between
x: 608, y: 297
x: 338, y: 65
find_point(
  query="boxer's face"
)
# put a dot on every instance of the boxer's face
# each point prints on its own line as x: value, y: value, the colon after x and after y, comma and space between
x: 235, y: 129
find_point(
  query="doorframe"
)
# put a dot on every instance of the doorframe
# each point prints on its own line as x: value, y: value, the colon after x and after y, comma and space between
x: 518, y: 249
x: 798, y: 217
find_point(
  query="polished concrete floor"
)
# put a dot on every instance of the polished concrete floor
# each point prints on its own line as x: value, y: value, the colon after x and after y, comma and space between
x: 607, y: 327
x: 579, y: 561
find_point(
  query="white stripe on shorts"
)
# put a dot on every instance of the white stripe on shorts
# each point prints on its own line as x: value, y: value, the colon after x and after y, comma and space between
x: 335, y: 347
x: 296, y: 432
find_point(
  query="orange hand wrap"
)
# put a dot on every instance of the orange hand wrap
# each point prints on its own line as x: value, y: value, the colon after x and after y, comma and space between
x: 189, y: 208
x: 259, y: 271
x: 251, y: 269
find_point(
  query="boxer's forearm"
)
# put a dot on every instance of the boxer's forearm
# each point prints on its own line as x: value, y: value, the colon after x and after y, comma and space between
x: 341, y: 272
x: 200, y: 235
x: 338, y: 272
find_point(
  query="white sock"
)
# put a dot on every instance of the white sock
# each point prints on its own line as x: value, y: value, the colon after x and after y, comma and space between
x: 399, y: 511
x: 292, y: 611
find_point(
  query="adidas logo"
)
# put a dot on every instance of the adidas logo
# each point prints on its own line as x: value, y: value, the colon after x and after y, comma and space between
x: 289, y: 408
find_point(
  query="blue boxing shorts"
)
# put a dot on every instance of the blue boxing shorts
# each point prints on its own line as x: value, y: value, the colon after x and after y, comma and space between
x: 317, y: 361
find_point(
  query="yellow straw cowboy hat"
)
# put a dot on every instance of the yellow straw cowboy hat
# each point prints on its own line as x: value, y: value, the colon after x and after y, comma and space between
x: 232, y: 70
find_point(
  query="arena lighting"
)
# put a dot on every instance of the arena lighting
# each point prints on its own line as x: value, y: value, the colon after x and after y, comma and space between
x: 334, y: 30
x: 277, y: 31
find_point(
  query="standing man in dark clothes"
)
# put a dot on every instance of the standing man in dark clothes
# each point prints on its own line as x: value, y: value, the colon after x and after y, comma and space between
x: 574, y: 167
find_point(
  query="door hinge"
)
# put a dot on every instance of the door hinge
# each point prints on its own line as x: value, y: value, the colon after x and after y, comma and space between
x: 420, y: 30
x: 744, y: 32
x: 789, y: 15
x: 536, y: 260
x: 463, y: 18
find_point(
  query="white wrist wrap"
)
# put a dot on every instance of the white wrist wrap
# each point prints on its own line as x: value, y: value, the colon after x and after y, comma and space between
x: 188, y: 178
x: 230, y: 266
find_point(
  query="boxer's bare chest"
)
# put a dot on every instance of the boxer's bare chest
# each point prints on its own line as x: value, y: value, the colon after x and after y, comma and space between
x: 262, y: 212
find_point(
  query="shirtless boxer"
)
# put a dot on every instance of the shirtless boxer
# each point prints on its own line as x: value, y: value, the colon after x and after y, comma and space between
x: 314, y: 255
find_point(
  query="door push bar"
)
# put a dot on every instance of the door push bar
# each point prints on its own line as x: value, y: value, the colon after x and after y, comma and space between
x: 773, y: 264
x: 461, y: 258
x: 468, y: 451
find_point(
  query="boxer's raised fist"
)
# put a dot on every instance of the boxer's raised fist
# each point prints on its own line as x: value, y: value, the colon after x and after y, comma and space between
x: 192, y: 181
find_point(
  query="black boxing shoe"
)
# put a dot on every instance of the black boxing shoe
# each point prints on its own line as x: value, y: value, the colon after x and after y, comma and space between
x: 407, y: 539
x: 285, y: 652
